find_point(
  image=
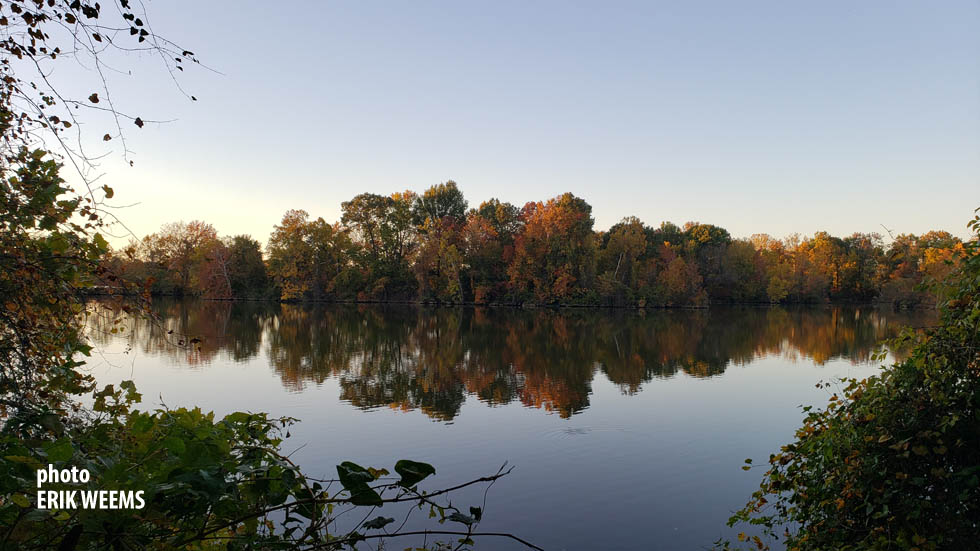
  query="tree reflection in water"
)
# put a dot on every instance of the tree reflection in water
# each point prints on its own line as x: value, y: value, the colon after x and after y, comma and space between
x: 430, y: 358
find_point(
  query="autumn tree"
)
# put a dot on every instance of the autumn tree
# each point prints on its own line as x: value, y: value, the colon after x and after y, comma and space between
x: 48, y: 260
x: 181, y: 248
x: 214, y: 274
x: 488, y: 248
x: 233, y: 268
x: 503, y: 217
x: 554, y: 257
x: 439, y: 265
x: 776, y: 264
x: 909, y: 260
x: 622, y: 247
x: 680, y: 282
x: 824, y: 254
x: 621, y: 258
x: 891, y: 461
x: 310, y: 259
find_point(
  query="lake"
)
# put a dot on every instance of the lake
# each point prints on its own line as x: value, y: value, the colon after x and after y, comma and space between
x: 627, y: 429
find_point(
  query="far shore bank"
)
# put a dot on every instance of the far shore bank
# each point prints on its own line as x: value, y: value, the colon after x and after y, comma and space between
x: 532, y: 305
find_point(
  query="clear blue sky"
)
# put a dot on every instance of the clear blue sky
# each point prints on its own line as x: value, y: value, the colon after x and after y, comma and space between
x: 774, y: 117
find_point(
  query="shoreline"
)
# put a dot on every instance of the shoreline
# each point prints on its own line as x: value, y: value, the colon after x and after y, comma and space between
x: 534, y: 306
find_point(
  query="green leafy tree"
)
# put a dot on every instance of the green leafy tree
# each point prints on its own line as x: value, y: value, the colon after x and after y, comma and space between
x: 668, y: 232
x: 438, y: 202
x: 706, y: 245
x: 621, y: 256
x: 247, y: 269
x: 488, y: 248
x: 439, y: 215
x: 381, y: 228
x: 504, y: 217
x: 744, y: 269
x: 863, y: 253
x: 309, y: 259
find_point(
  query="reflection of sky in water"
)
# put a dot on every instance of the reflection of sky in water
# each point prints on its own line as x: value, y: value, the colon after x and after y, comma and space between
x: 653, y: 414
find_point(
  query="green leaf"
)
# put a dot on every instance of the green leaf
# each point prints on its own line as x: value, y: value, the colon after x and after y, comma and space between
x: 412, y: 472
x: 251, y: 525
x: 353, y: 475
x: 366, y: 496
x: 378, y: 523
x: 26, y: 460
x: 354, y: 478
x: 309, y: 510
x: 21, y: 500
x: 100, y: 242
x: 175, y: 445
x: 141, y: 424
x: 51, y: 422
x: 60, y: 450
x: 461, y: 518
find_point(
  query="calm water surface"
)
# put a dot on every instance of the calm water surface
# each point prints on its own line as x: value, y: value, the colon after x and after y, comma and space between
x: 627, y: 429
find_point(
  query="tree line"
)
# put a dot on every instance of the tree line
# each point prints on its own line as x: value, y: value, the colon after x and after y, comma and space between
x: 431, y: 247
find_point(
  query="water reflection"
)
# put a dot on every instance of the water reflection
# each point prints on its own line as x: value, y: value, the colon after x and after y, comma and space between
x: 431, y: 359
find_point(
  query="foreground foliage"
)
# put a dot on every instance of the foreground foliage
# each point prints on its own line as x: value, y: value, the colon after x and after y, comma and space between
x: 893, y: 462
x: 207, y: 484
x: 50, y: 250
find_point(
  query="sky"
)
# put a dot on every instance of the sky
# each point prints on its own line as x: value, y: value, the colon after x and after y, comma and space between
x: 760, y: 117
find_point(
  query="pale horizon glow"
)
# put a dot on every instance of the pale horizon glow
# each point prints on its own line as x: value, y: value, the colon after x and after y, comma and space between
x: 760, y: 117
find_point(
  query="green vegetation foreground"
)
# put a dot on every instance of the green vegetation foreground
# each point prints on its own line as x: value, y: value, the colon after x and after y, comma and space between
x: 893, y: 462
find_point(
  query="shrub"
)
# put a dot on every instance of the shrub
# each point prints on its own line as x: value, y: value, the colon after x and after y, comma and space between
x: 893, y: 462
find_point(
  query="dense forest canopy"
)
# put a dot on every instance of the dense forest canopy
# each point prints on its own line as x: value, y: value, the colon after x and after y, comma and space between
x: 432, y: 247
